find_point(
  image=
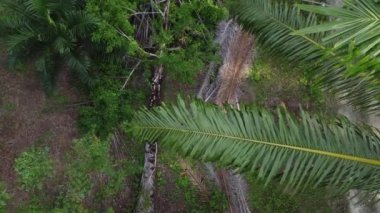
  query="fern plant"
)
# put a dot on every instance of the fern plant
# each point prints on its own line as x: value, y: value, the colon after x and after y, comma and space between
x: 302, y: 152
x: 336, y: 64
x: 49, y: 33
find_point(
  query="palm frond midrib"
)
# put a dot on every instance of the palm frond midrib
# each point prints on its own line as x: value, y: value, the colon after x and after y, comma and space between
x: 279, y: 144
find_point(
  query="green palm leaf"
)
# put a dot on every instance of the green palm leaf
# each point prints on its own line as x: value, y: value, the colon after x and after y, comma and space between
x: 80, y: 64
x: 276, y: 23
x: 21, y: 40
x: 46, y: 67
x: 304, y: 151
x: 48, y: 30
x: 358, y: 20
x: 80, y: 23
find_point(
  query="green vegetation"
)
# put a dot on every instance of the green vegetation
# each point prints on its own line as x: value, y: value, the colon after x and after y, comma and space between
x: 274, y: 81
x: 4, y: 197
x: 192, y: 197
x: 348, y: 69
x: 108, y: 51
x: 49, y: 33
x: 93, y: 173
x: 183, y: 51
x: 34, y: 167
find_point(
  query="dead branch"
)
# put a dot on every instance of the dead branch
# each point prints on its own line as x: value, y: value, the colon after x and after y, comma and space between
x: 130, y: 74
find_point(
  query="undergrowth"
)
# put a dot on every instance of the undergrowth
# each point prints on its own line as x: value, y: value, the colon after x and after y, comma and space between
x: 4, y: 197
x: 193, y: 199
x: 275, y: 81
x: 274, y: 199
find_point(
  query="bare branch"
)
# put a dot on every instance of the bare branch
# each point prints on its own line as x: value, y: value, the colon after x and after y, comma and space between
x: 129, y: 76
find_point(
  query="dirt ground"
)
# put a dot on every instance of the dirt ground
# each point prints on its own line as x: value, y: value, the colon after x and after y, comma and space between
x: 167, y: 198
x: 28, y: 118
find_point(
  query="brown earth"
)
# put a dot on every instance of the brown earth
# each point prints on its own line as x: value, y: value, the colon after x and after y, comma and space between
x: 28, y: 118
x: 167, y: 198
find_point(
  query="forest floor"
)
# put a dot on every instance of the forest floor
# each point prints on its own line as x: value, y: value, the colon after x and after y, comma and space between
x: 29, y: 119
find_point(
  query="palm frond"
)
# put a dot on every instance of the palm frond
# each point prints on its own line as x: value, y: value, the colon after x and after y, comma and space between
x: 80, y: 23
x: 21, y: 40
x: 303, y: 152
x: 276, y: 23
x: 358, y: 20
x: 46, y: 68
x: 18, y: 8
x: 80, y: 65
x: 66, y: 5
x: 62, y: 45
x: 37, y: 7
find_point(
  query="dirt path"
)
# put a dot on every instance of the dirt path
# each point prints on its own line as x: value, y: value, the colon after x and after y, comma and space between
x: 28, y: 118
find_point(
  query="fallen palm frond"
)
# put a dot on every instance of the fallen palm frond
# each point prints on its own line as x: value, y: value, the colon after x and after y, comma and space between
x: 237, y: 53
x: 308, y: 152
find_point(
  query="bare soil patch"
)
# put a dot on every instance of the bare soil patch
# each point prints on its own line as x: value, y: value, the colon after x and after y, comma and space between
x: 167, y: 198
x: 28, y: 118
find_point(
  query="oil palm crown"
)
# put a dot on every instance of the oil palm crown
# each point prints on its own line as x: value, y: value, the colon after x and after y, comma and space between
x: 328, y: 48
x: 303, y: 152
x: 50, y: 32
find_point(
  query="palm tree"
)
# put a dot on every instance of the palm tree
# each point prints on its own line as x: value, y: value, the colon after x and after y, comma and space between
x: 50, y: 33
x: 303, y: 151
x: 343, y: 53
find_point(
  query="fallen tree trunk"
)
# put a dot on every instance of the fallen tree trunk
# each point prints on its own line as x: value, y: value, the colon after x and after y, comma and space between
x: 145, y: 201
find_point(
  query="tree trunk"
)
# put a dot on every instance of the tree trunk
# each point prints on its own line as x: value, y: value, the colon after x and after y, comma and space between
x: 145, y: 201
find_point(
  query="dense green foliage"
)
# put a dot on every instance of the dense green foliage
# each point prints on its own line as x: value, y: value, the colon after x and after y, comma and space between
x: 187, y: 45
x: 114, y: 31
x: 50, y: 34
x: 181, y: 49
x: 110, y: 105
x: 34, y: 167
x: 4, y: 197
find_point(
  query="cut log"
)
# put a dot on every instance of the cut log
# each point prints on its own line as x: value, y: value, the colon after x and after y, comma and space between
x: 145, y: 201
